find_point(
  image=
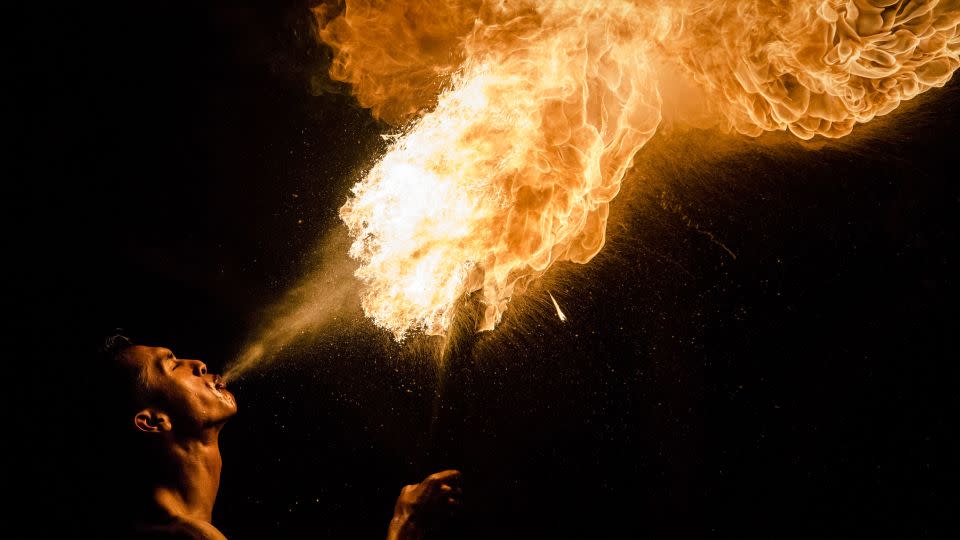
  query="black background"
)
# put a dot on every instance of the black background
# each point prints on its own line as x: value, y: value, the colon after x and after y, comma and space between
x: 175, y: 166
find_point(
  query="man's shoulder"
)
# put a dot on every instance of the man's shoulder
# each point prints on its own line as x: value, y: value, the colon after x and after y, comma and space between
x: 179, y: 529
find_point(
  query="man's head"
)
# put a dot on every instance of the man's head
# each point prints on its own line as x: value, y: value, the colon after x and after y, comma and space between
x: 166, y: 394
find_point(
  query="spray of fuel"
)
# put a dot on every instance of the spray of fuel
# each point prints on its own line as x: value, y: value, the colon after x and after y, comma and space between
x: 321, y: 298
x: 518, y: 120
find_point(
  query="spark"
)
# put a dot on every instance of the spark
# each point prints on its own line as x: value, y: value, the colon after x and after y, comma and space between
x: 563, y: 318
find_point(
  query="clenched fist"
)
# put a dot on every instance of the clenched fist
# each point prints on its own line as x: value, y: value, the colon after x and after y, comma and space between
x: 422, y: 505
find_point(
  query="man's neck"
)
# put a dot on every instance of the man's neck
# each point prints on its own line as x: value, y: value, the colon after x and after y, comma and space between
x: 190, y: 489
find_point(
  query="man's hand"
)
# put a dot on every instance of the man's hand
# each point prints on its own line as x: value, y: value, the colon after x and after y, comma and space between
x: 422, y: 505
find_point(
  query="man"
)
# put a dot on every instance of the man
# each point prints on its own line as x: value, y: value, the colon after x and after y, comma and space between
x: 174, y: 410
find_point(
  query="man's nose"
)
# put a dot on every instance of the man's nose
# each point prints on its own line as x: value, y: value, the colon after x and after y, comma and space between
x: 198, y: 367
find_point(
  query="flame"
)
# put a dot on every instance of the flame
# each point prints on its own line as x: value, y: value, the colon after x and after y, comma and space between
x: 520, y: 119
x: 815, y: 67
x: 512, y: 170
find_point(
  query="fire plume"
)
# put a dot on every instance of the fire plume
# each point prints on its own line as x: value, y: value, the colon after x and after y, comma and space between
x: 815, y: 67
x: 518, y: 120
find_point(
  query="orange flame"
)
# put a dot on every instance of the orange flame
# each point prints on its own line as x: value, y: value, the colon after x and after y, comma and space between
x: 522, y: 118
x: 815, y: 67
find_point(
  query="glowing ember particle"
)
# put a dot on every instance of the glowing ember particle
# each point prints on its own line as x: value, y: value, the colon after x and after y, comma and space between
x: 563, y: 318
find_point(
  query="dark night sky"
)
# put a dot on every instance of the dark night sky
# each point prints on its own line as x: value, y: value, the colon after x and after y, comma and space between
x: 175, y: 166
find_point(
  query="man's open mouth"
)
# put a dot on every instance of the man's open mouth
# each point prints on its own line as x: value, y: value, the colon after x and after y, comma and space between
x: 219, y: 387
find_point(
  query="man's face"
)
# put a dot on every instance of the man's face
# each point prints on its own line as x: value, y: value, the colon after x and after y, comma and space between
x: 181, y: 388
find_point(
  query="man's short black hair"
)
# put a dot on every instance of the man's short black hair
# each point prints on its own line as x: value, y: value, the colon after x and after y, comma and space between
x: 114, y: 344
x: 111, y: 390
x: 115, y: 385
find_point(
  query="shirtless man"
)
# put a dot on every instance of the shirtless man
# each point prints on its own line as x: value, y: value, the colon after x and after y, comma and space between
x: 175, y: 411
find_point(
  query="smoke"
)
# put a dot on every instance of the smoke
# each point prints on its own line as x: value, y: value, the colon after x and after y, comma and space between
x: 519, y: 119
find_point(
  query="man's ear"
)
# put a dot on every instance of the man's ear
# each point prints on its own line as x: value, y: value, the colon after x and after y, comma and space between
x: 152, y: 421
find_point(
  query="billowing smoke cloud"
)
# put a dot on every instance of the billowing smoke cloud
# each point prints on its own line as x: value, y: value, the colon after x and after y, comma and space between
x: 519, y: 119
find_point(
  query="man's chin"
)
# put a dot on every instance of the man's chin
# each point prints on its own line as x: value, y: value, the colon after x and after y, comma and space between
x: 229, y: 400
